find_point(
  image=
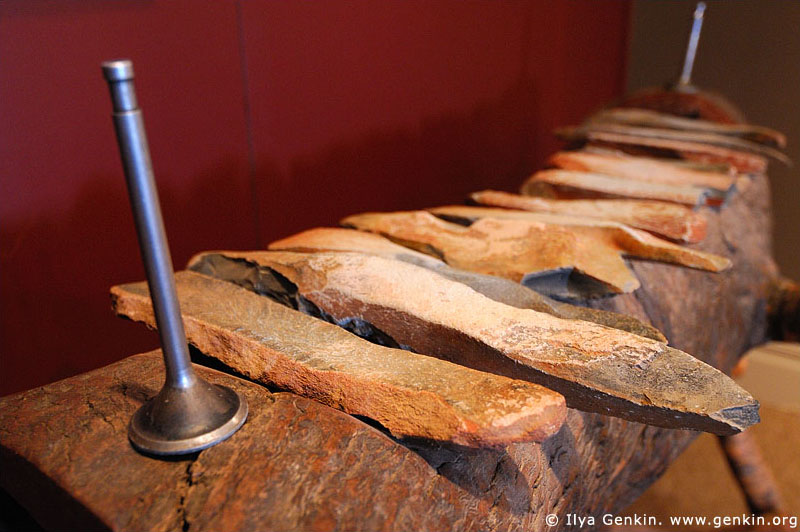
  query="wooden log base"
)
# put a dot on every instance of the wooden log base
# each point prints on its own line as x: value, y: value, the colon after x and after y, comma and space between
x: 563, y: 261
x: 299, y: 465
x: 596, y: 368
x: 669, y: 220
x: 413, y: 396
x: 496, y: 288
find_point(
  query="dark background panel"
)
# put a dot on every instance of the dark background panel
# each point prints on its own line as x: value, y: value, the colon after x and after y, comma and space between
x: 264, y: 118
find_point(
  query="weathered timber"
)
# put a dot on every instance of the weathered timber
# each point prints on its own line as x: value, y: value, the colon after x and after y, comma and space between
x: 644, y: 117
x: 597, y: 368
x: 411, y: 395
x: 559, y: 260
x: 659, y: 217
x: 496, y: 288
x: 694, y: 151
x: 753, y: 474
x: 645, y: 169
x: 592, y: 130
x: 568, y: 184
x: 299, y: 465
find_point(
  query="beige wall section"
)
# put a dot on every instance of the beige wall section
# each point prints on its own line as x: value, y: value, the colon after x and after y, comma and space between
x: 749, y: 51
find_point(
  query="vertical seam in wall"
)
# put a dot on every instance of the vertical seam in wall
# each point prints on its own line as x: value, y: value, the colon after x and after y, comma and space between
x: 248, y: 117
x: 627, y: 43
x: 526, y: 157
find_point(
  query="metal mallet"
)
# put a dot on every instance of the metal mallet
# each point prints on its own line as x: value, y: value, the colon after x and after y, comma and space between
x: 188, y: 414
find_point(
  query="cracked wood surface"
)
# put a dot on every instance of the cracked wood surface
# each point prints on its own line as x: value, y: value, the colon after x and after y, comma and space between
x: 496, y: 288
x: 670, y: 220
x: 299, y: 465
x: 645, y: 169
x: 558, y: 260
x: 413, y: 396
x: 596, y: 368
x: 568, y: 184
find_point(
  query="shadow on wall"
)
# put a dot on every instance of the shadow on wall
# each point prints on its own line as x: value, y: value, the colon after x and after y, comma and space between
x: 58, y: 267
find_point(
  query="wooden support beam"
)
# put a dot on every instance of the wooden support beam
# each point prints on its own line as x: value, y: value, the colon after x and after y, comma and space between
x: 597, y: 368
x: 496, y: 288
x: 412, y: 395
x: 670, y: 220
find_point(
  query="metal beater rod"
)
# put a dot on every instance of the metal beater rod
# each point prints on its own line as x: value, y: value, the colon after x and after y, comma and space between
x: 149, y: 224
x: 691, y: 47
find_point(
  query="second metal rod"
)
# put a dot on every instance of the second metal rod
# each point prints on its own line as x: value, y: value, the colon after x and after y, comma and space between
x: 691, y: 47
x: 149, y: 223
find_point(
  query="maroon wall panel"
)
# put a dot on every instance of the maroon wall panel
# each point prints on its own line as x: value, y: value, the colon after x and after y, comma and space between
x: 408, y: 104
x: 264, y: 118
x: 66, y: 233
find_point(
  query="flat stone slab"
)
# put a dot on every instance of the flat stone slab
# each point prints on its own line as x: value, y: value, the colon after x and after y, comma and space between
x: 691, y: 150
x: 496, y: 288
x: 644, y: 169
x: 648, y: 118
x: 570, y: 184
x: 670, y: 220
x: 560, y: 260
x: 413, y: 396
x: 596, y: 368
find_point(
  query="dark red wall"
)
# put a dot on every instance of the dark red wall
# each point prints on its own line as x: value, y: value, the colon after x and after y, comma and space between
x: 264, y: 118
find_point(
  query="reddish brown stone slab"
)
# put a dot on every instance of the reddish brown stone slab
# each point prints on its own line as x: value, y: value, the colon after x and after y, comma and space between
x: 644, y: 169
x: 299, y: 465
x: 565, y: 260
x: 413, y: 396
x: 662, y: 218
x: 694, y: 151
x: 568, y: 184
x: 496, y: 288
x: 648, y: 118
x: 597, y: 368
x: 647, y: 135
